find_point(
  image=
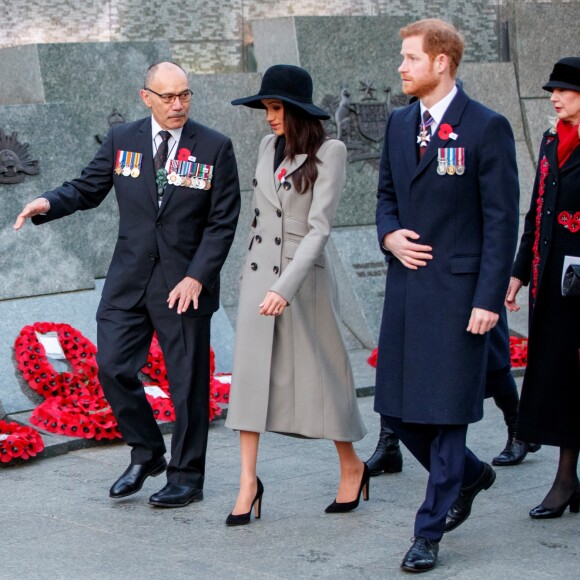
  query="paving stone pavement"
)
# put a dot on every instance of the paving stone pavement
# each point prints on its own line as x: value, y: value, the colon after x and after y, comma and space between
x: 57, y: 522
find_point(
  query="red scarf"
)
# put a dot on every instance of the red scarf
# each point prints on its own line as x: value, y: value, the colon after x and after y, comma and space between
x: 568, y: 140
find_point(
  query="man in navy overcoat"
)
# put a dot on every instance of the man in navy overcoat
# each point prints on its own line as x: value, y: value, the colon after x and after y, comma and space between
x: 177, y: 189
x: 447, y: 219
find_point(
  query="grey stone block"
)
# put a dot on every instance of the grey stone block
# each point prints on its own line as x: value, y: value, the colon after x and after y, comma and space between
x: 545, y: 33
x: 495, y: 85
x: 275, y: 42
x: 56, y: 257
x: 361, y: 274
x: 539, y: 115
x: 20, y: 74
x: 527, y: 173
x: 110, y: 73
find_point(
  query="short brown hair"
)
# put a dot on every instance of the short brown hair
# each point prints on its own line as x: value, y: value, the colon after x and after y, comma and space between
x: 439, y: 37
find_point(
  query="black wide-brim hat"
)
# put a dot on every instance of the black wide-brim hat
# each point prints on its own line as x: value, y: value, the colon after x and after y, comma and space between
x: 565, y: 75
x: 288, y: 83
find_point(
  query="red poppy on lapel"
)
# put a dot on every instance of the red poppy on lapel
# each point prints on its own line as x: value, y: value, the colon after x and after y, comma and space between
x: 183, y: 154
x: 445, y: 131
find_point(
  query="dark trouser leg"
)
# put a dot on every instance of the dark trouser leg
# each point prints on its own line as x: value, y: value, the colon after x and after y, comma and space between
x: 124, y: 338
x: 185, y: 342
x: 441, y: 450
x: 387, y: 457
x: 502, y: 387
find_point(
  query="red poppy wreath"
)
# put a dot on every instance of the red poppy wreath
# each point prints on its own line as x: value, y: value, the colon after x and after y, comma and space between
x: 18, y: 442
x: 75, y: 403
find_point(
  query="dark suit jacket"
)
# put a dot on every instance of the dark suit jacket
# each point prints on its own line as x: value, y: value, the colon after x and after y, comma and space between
x: 190, y: 234
x: 430, y: 369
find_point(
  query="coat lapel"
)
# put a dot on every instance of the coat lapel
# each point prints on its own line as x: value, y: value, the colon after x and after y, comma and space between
x: 186, y: 141
x: 147, y: 170
x: 409, y: 137
x: 265, y: 172
x: 452, y: 117
x: 551, y: 152
x: 290, y: 166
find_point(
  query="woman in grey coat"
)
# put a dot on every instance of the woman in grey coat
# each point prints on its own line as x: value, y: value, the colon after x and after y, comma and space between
x: 291, y: 372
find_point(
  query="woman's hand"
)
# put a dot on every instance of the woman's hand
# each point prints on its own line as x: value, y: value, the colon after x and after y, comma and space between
x: 273, y: 304
x: 510, y: 299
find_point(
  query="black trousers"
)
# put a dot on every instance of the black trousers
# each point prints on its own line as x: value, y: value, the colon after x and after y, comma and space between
x: 441, y: 450
x: 123, y: 339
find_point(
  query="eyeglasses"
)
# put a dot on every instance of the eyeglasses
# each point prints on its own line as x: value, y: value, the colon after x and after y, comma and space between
x: 168, y: 98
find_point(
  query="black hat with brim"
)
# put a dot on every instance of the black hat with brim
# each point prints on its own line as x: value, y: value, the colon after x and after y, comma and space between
x: 565, y: 75
x: 288, y: 83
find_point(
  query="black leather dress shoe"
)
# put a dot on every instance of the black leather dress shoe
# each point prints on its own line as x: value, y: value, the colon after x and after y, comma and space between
x: 422, y: 556
x: 133, y: 477
x: 461, y: 509
x: 175, y: 495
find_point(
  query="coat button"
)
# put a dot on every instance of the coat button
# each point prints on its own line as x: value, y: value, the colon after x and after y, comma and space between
x: 254, y: 182
x: 257, y: 211
x: 158, y: 224
x: 286, y: 185
x: 277, y: 241
x: 548, y: 211
x: 545, y: 242
x: 254, y: 266
x: 258, y: 239
x: 279, y: 213
x: 152, y: 257
x: 276, y: 269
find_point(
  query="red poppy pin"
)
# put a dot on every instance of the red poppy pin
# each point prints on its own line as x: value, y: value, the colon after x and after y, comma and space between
x: 183, y: 154
x: 282, y: 175
x: 446, y: 132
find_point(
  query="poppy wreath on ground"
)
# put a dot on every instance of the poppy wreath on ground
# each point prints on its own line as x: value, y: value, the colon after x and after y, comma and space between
x: 18, y: 442
x: 155, y: 369
x: 39, y: 373
x: 75, y: 403
x: 77, y: 416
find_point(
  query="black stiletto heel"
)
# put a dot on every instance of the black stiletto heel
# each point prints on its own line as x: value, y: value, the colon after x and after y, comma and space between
x: 243, y: 519
x: 347, y: 506
x: 542, y: 513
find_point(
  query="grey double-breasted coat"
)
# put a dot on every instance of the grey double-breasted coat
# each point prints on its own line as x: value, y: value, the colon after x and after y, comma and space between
x: 291, y: 373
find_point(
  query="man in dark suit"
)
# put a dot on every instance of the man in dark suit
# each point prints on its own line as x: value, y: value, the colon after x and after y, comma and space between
x: 447, y: 218
x: 177, y: 188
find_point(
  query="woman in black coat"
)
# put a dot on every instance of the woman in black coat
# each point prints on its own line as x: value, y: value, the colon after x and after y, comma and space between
x: 550, y: 403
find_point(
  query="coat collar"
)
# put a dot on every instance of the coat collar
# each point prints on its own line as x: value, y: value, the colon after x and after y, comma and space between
x: 187, y: 141
x: 265, y: 171
x: 551, y: 152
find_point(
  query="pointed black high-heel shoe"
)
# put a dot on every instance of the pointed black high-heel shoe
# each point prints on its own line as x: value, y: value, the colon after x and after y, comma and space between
x: 243, y: 519
x: 347, y: 506
x: 542, y: 513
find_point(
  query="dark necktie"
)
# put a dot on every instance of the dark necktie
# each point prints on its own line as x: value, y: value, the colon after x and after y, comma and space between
x: 160, y: 158
x: 424, y: 132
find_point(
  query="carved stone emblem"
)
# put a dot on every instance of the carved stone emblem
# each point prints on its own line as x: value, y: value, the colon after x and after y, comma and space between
x: 361, y: 125
x: 115, y: 118
x: 15, y: 161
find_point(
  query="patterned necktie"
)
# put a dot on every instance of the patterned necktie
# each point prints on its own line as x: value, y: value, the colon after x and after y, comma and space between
x: 424, y: 132
x: 160, y: 158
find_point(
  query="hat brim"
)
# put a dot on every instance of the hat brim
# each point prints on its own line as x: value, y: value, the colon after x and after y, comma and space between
x: 255, y: 102
x: 551, y: 85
